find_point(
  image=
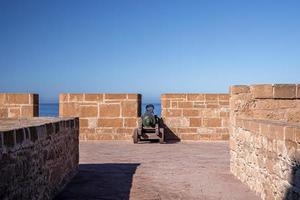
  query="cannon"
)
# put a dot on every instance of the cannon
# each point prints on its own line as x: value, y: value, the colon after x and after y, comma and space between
x: 150, y: 127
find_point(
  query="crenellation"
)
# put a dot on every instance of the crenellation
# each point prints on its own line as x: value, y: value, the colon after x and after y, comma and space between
x: 19, y: 105
x: 203, y: 113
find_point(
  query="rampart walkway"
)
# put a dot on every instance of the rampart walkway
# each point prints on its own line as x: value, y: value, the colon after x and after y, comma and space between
x: 121, y: 170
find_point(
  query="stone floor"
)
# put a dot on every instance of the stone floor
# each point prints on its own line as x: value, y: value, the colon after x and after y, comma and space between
x: 122, y: 170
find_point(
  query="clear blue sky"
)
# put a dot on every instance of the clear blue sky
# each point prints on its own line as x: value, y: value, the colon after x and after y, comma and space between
x: 146, y: 46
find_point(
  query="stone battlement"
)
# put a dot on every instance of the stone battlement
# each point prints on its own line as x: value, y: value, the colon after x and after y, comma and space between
x: 102, y: 116
x: 196, y: 116
x: 19, y: 105
x: 265, y: 138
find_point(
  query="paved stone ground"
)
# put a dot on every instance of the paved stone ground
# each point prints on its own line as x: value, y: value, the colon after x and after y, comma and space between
x: 121, y: 170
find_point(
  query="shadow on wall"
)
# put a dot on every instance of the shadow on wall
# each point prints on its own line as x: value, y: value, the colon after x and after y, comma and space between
x: 170, y: 136
x: 293, y: 192
x: 100, y: 181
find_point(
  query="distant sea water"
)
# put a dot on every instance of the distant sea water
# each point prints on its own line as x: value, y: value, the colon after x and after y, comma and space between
x: 51, y: 109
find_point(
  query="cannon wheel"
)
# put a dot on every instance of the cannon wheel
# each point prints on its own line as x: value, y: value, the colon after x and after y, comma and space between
x: 162, y: 139
x: 135, y: 136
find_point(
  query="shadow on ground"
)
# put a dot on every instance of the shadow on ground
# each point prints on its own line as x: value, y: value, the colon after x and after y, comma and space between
x: 100, y: 181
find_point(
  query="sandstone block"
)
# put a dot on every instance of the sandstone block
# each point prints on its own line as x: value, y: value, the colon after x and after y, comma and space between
x: 212, y: 122
x: 27, y: 111
x: 172, y: 113
x: 238, y: 89
x: 2, y: 98
x: 125, y: 130
x: 262, y: 91
x: 130, y: 122
x: 210, y: 113
x: 113, y: 122
x: 105, y: 130
x: 3, y: 112
x: 14, y: 112
x: 276, y: 132
x: 165, y: 103
x: 93, y: 97
x: 173, y: 96
x: 88, y: 111
x: 284, y: 91
x: 224, y: 97
x: 289, y: 133
x: 17, y: 98
x: 173, y: 122
x: 75, y: 97
x: 115, y: 96
x: 190, y: 113
x: 83, y: 122
x: 135, y: 96
x: 174, y: 104
x: 195, y: 97
x: 212, y: 97
x: 195, y: 122
x: 63, y: 97
x: 298, y: 91
x: 187, y: 130
x: 130, y: 109
x: 185, y: 104
x: 109, y: 110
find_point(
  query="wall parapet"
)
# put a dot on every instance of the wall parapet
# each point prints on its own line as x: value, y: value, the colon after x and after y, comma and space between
x: 196, y: 116
x: 14, y: 105
x: 38, y: 156
x: 102, y: 116
x: 269, y: 91
x: 265, y: 138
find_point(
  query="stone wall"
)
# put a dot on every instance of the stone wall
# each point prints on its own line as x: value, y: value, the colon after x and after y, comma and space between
x: 38, y: 156
x: 265, y: 139
x: 19, y: 105
x: 196, y: 116
x: 102, y: 116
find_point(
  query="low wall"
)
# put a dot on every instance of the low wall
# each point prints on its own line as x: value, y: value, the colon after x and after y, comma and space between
x: 196, y: 116
x: 19, y: 105
x: 265, y: 139
x: 37, y: 156
x: 102, y: 116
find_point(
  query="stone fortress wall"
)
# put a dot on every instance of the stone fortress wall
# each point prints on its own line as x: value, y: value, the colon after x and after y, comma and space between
x: 265, y: 139
x: 196, y: 116
x: 38, y: 156
x: 263, y: 122
x: 19, y: 105
x: 102, y: 116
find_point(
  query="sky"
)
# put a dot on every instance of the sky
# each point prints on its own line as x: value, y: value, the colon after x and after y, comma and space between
x: 146, y: 46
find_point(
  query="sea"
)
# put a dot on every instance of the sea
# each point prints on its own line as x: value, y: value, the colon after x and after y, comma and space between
x: 52, y: 109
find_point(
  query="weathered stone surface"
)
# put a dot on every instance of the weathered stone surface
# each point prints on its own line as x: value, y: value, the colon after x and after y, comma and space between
x: 238, y: 89
x: 19, y: 105
x: 262, y: 91
x: 93, y: 97
x: 113, y: 122
x: 103, y: 114
x: 110, y: 110
x: 263, y: 139
x: 285, y: 91
x: 40, y: 167
x: 115, y: 96
x: 130, y: 109
x: 183, y: 111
